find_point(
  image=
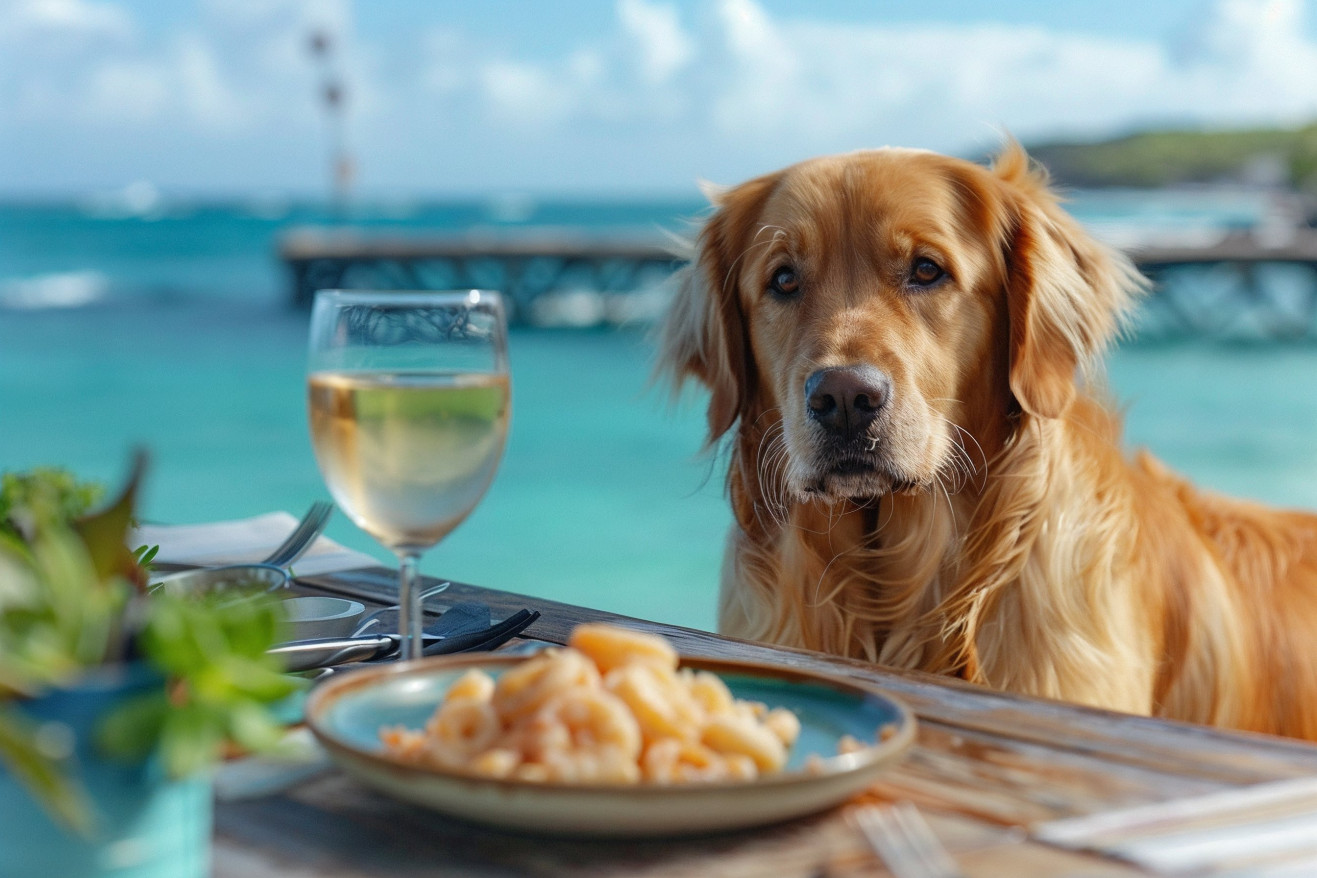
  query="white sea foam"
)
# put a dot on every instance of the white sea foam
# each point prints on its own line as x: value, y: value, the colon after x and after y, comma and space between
x: 140, y: 199
x: 62, y: 289
x: 511, y: 207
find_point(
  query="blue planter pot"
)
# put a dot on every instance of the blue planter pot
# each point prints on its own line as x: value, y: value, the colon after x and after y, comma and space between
x: 147, y: 825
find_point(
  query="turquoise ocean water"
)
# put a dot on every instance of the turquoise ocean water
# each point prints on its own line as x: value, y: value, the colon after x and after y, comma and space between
x: 165, y: 326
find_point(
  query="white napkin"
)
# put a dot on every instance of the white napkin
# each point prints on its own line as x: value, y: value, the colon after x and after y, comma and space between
x: 244, y: 541
x: 1263, y: 829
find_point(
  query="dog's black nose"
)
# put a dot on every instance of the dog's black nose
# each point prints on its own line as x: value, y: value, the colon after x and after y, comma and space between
x: 846, y: 399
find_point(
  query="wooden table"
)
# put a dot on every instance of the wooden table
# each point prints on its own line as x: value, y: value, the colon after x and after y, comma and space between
x: 990, y: 771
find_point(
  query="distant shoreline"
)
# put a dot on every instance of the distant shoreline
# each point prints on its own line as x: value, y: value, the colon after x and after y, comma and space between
x: 1155, y: 159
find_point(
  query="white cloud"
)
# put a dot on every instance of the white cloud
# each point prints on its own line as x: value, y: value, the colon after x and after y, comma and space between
x: 1249, y: 61
x: 125, y: 91
x: 444, y: 72
x: 244, y: 66
x: 525, y: 93
x: 778, y: 87
x: 22, y: 20
x: 629, y: 77
x: 662, y: 47
x: 813, y: 83
x: 663, y: 92
x: 208, y: 97
x: 761, y: 78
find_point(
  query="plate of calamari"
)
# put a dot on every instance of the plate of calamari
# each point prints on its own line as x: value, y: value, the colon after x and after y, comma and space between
x: 612, y: 735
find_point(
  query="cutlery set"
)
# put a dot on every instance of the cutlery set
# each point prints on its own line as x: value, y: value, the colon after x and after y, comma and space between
x: 464, y: 627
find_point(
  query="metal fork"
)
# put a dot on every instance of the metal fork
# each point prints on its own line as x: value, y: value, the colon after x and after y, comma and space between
x: 373, y: 619
x: 901, y: 836
x: 310, y: 527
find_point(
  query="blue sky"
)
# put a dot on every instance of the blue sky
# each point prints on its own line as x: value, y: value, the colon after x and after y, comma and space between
x: 605, y: 97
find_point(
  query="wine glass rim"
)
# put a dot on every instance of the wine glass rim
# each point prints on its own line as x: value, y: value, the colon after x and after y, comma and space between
x: 471, y: 296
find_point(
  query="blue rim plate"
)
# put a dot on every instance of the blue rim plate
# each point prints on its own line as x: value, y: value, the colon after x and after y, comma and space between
x: 346, y: 713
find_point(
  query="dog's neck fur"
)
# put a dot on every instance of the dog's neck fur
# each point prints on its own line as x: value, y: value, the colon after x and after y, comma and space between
x: 961, y: 583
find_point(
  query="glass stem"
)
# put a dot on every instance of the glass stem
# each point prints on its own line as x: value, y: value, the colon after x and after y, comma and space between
x: 410, y: 613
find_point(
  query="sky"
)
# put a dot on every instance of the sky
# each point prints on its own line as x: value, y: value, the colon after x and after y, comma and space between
x: 605, y: 97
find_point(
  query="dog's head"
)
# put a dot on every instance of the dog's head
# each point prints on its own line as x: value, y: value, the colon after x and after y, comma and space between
x: 889, y: 305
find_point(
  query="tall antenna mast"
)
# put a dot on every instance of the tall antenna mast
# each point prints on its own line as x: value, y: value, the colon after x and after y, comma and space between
x: 333, y: 97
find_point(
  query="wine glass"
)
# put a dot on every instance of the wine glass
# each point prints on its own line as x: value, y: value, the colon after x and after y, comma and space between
x: 409, y: 407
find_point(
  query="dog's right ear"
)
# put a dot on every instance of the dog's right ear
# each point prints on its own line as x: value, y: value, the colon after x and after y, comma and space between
x: 705, y: 334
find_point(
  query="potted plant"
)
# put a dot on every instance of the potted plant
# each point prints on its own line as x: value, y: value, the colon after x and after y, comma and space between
x: 115, y: 701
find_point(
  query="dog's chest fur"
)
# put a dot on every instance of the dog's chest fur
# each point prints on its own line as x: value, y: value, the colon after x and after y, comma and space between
x: 1024, y: 581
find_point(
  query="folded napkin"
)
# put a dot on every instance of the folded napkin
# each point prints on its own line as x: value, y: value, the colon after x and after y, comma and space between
x: 244, y: 541
x: 1254, y: 830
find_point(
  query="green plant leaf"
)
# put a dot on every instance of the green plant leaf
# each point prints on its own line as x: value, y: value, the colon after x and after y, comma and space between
x: 253, y: 626
x: 82, y: 607
x: 190, y: 738
x: 105, y: 533
x: 261, y: 680
x: 131, y: 730
x: 19, y: 586
x: 252, y: 728
x: 144, y: 555
x: 41, y: 497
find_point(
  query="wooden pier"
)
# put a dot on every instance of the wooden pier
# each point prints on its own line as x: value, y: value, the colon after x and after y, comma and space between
x: 1244, y: 285
x: 524, y: 269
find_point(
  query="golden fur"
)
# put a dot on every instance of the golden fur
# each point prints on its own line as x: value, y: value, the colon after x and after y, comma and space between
x: 1001, y: 535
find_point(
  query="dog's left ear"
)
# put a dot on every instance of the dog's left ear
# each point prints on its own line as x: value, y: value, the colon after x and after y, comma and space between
x: 1067, y: 295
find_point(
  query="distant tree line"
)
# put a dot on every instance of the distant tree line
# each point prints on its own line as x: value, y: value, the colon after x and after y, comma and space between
x: 1261, y: 156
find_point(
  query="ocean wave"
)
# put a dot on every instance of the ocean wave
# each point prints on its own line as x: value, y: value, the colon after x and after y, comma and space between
x: 141, y: 200
x: 61, y: 289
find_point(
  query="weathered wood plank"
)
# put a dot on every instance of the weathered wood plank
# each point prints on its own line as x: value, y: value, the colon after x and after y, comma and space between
x: 335, y: 821
x: 1299, y: 245
x: 334, y: 827
x: 1005, y: 781
x: 521, y: 268
x: 329, y: 245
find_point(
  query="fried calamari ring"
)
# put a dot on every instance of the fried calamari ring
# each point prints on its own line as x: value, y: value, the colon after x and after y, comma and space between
x: 475, y: 683
x: 708, y: 690
x: 586, y: 735
x: 671, y: 760
x: 661, y: 705
x: 523, y: 689
x: 404, y: 743
x: 737, y: 734
x: 611, y: 647
x: 496, y: 762
x: 460, y: 729
x: 784, y: 724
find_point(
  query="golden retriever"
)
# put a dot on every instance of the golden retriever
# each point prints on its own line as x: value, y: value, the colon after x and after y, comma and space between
x: 924, y: 474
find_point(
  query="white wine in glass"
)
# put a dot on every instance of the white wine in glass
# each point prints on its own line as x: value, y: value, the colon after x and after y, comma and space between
x: 409, y: 402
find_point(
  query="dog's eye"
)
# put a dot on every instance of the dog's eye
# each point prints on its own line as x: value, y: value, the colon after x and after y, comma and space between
x: 925, y: 273
x: 785, y: 282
